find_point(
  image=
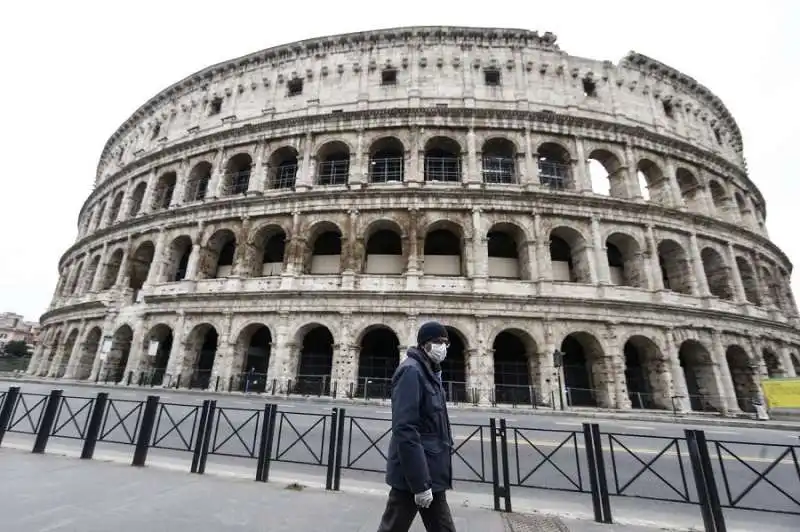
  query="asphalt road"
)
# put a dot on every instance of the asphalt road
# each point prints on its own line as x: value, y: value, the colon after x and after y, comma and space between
x: 643, y: 459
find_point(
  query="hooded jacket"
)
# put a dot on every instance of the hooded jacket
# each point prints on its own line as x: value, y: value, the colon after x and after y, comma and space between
x: 421, y: 443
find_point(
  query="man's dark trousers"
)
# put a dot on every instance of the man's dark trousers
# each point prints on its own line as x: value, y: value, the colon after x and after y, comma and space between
x: 401, y: 511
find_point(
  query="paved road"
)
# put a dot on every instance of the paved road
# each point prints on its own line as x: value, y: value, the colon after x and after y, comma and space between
x: 544, y: 452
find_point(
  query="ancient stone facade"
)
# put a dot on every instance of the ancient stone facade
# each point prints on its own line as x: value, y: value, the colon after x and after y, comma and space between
x: 291, y: 217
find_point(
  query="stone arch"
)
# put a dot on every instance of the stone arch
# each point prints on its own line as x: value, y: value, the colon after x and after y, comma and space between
x: 282, y: 168
x: 443, y: 249
x: 201, y: 351
x: 116, y: 205
x: 197, y: 183
x: 555, y: 166
x: 749, y: 281
x: 269, y: 243
x: 139, y: 264
x: 54, y: 344
x: 454, y: 367
x: 236, y: 179
x: 66, y: 352
x: 156, y: 348
x: 98, y: 224
x: 741, y: 205
x: 498, y: 161
x: 625, y: 261
x: 569, y: 256
x: 607, y: 174
x: 651, y: 181
x: 676, y: 271
x: 516, y: 367
x: 443, y: 157
x: 585, y: 379
x: 117, y: 357
x: 315, y: 360
x: 716, y: 272
x: 378, y: 357
x: 691, y: 192
x: 91, y: 273
x: 165, y: 188
x: 387, y: 160
x: 743, y: 374
x: 647, y: 374
x: 72, y: 288
x: 507, y: 250
x: 718, y: 196
x: 252, y: 351
x: 88, y: 353
x: 333, y: 163
x: 795, y: 363
x: 772, y: 364
x: 384, y: 253
x: 137, y: 197
x: 324, y: 249
x: 218, y: 255
x: 771, y: 289
x: 111, y: 269
x: 176, y: 264
x: 700, y: 374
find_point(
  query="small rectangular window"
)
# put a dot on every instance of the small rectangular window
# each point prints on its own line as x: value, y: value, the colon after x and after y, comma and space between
x: 215, y: 107
x: 389, y: 77
x: 336, y: 111
x: 589, y: 87
x: 491, y: 77
x: 294, y: 86
x: 441, y: 105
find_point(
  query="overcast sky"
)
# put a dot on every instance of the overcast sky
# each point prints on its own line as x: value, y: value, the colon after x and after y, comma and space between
x: 74, y: 71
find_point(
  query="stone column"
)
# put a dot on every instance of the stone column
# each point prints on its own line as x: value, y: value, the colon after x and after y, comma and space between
x: 602, y: 269
x: 653, y: 266
x: 147, y: 200
x: 673, y: 187
x: 258, y: 174
x: 681, y: 400
x: 154, y: 273
x: 785, y: 353
x: 359, y: 171
x: 344, y: 370
x: 77, y: 351
x: 305, y: 175
x: 632, y: 182
x: 617, y: 386
x: 699, y: 271
x: 543, y: 263
x: 136, y: 351
x: 583, y: 181
x: 195, y: 257
x: 412, y: 268
x: 722, y: 374
x: 480, y: 253
x: 224, y: 358
x: 473, y: 175
x: 216, y: 181
x: 181, y: 179
x: 738, y: 287
x: 530, y: 180
x: 414, y: 164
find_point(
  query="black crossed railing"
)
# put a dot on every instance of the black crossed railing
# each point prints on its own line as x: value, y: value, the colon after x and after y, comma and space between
x: 713, y: 475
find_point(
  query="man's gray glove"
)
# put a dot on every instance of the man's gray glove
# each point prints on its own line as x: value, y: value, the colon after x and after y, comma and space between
x: 424, y: 498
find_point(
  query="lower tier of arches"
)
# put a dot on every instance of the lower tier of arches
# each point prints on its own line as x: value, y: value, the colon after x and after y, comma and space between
x: 490, y: 360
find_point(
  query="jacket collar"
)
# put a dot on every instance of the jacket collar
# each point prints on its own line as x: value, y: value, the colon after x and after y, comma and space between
x: 417, y: 354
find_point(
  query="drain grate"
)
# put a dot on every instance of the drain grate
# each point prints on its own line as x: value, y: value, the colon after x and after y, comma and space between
x: 534, y: 523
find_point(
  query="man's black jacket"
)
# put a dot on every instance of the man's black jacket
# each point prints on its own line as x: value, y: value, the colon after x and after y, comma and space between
x: 420, y: 446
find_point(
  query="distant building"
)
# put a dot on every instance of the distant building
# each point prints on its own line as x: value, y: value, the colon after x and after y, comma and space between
x: 13, y: 327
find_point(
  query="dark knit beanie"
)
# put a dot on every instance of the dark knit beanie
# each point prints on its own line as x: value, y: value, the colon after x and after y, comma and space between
x: 429, y: 331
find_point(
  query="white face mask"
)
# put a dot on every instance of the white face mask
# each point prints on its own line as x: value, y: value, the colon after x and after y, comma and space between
x: 438, y: 352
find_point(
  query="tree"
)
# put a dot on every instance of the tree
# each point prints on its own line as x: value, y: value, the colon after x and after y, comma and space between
x: 17, y: 348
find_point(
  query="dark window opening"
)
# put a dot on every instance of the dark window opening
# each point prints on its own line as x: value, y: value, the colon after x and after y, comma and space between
x: 156, y: 130
x: 294, y: 86
x: 491, y: 77
x: 668, y: 108
x: 275, y: 248
x: 336, y: 111
x: 216, y: 106
x: 328, y: 243
x: 389, y: 77
x: 718, y: 136
x: 589, y: 87
x: 614, y: 256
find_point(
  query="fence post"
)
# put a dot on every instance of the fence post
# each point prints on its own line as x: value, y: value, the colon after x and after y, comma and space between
x: 332, y: 448
x: 145, y: 431
x: 95, y: 423
x: 707, y: 493
x: 337, y: 467
x: 201, y: 466
x: 48, y: 418
x: 265, y: 446
x: 592, y: 464
x: 201, y: 431
x: 8, y: 409
x: 602, y: 481
x: 504, y: 490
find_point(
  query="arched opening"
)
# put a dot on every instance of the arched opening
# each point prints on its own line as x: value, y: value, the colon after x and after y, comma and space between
x: 66, y: 353
x: 91, y: 273
x: 253, y: 349
x: 202, y: 350
x: 771, y: 289
x: 218, y: 255
x: 774, y: 368
x: 386, y: 161
x: 165, y: 187
x: 796, y: 363
x: 554, y: 166
x: 442, y: 252
x: 177, y: 263
x: 691, y: 192
x: 283, y: 168
x: 378, y: 357
x: 117, y: 357
x: 454, y: 367
x: 748, y: 281
x: 647, y: 374
x: 505, y: 250
x: 625, y: 262
x: 652, y: 184
x: 116, y: 205
x: 237, y: 175
x: 139, y: 265
x: 384, y: 251
x: 99, y: 220
x: 333, y: 164
x: 515, y: 368
x: 326, y: 251
x: 272, y: 251
x: 701, y: 382
x: 718, y: 197
x: 676, y: 273
x: 607, y: 175
x: 584, y: 379
x: 157, y: 350
x: 88, y: 353
x: 442, y: 160
x: 498, y: 161
x: 716, y: 272
x: 73, y: 282
x: 44, y: 369
x: 316, y: 362
x: 568, y: 256
x: 136, y: 199
x: 197, y: 184
x: 111, y: 271
x: 741, y: 205
x: 743, y: 374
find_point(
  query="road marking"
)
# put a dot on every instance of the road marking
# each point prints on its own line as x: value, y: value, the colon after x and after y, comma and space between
x: 721, y: 431
x: 386, y: 412
x: 568, y: 423
x: 637, y: 427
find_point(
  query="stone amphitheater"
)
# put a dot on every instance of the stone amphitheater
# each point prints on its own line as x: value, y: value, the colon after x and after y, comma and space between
x: 283, y: 222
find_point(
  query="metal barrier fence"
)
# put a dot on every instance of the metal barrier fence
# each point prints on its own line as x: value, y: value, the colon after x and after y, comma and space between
x: 715, y: 475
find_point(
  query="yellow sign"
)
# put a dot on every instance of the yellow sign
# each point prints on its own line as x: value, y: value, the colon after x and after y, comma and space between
x: 782, y: 393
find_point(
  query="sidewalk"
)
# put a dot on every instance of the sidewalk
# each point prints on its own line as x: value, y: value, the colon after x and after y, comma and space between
x: 658, y: 416
x: 52, y: 493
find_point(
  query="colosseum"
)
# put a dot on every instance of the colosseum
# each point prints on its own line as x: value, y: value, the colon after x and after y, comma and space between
x: 283, y: 222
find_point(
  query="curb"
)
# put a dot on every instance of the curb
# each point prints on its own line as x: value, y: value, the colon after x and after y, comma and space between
x: 651, y: 416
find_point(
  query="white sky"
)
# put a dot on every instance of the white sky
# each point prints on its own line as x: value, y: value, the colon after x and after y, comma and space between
x: 74, y: 71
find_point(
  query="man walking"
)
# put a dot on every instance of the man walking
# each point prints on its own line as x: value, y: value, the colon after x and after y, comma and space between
x: 419, y: 468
